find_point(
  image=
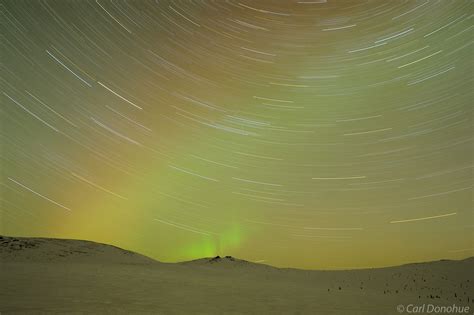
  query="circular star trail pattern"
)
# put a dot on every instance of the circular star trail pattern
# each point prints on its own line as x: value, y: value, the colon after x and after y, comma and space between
x: 311, y: 134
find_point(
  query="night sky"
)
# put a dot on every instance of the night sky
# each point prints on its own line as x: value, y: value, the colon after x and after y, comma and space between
x: 308, y: 134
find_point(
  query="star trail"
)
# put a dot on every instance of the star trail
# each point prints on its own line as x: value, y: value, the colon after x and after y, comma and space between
x: 309, y: 134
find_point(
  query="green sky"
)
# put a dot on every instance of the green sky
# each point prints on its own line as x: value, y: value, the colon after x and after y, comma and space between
x: 308, y: 134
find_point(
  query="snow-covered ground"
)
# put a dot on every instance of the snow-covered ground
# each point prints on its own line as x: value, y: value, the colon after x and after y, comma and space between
x: 70, y: 276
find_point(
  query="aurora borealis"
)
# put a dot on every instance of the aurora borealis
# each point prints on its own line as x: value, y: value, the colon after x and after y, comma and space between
x: 308, y: 134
